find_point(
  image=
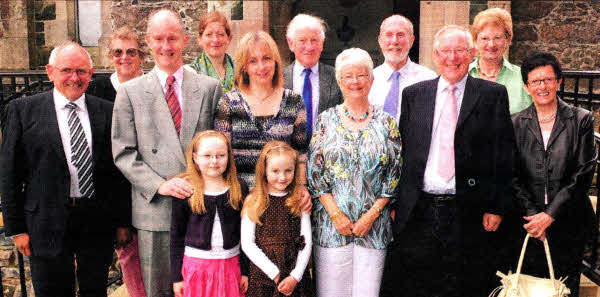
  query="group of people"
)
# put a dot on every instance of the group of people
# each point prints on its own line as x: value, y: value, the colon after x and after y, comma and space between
x: 225, y: 177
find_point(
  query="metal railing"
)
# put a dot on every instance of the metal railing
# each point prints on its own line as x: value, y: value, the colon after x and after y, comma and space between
x: 581, y: 88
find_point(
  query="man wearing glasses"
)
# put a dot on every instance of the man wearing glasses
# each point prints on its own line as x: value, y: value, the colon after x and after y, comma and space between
x: 63, y: 197
x: 457, y: 145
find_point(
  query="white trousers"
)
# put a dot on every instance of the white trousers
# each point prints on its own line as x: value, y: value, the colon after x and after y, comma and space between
x: 348, y: 271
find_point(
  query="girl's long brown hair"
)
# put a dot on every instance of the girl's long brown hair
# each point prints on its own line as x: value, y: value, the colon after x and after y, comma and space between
x: 258, y: 200
x: 194, y: 176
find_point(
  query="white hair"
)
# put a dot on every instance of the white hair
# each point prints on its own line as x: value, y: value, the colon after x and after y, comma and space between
x: 175, y: 16
x: 352, y: 56
x: 59, y: 48
x: 305, y: 21
x: 398, y: 17
x: 452, y: 28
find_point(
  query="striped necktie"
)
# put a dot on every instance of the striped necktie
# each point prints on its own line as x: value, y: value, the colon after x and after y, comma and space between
x: 81, y: 157
x: 173, y: 103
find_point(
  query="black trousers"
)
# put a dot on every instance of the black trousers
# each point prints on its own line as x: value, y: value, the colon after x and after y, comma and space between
x: 91, y: 249
x: 436, y: 256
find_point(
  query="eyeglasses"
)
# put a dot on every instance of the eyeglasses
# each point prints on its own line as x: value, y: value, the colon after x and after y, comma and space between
x: 538, y: 82
x: 69, y: 71
x: 359, y: 77
x: 457, y: 52
x: 495, y: 39
x: 117, y: 52
x: 210, y: 157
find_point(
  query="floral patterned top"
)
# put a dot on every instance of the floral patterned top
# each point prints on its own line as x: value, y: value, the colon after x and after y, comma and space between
x: 249, y: 133
x: 357, y: 167
x: 203, y: 65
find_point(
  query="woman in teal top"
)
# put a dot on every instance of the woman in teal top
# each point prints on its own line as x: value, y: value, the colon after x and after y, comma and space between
x: 214, y: 36
x: 492, y: 32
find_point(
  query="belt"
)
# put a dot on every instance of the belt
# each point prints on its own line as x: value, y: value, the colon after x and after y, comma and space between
x: 79, y: 201
x: 438, y: 199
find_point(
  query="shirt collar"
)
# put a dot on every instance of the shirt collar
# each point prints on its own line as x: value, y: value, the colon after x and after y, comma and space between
x: 298, y: 68
x: 460, y: 85
x: 387, y: 70
x: 61, y: 101
x: 505, y: 64
x: 162, y: 76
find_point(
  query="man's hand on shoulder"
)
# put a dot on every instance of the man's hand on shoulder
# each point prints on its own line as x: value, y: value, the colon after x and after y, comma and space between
x: 176, y: 187
x: 22, y: 243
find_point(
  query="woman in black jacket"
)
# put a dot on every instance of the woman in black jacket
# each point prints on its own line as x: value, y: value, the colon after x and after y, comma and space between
x: 555, y: 161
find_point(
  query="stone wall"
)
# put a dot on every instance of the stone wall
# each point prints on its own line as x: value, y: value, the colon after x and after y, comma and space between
x: 568, y: 29
x: 13, y: 35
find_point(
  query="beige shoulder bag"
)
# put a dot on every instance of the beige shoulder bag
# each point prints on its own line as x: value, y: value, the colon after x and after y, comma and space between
x: 521, y: 285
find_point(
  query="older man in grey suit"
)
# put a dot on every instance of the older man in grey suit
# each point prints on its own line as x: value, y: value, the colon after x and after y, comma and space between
x: 306, y: 76
x: 155, y: 118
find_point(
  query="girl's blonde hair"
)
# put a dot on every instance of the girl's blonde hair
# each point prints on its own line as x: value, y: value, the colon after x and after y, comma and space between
x: 194, y: 176
x: 258, y: 200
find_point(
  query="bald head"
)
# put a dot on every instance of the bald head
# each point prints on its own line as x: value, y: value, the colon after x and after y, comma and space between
x: 69, y: 45
x: 397, y: 19
x: 163, y: 17
x: 70, y: 69
x: 395, y: 40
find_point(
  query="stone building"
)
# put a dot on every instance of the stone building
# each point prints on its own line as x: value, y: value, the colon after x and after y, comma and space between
x: 29, y: 29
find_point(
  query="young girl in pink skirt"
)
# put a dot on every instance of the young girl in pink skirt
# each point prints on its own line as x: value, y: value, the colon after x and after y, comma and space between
x: 206, y: 260
x: 276, y: 234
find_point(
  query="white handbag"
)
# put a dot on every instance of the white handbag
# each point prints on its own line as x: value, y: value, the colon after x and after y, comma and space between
x: 521, y: 285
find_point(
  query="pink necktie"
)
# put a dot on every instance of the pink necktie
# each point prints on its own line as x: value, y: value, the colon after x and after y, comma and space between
x: 173, y: 103
x: 446, y: 129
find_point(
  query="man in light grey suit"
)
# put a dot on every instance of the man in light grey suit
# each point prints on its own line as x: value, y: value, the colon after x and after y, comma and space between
x: 305, y: 37
x: 155, y: 117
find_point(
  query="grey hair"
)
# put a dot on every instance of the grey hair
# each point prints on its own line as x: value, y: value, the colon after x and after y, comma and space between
x: 398, y: 17
x: 175, y: 15
x: 352, y: 56
x: 59, y: 48
x: 305, y: 21
x: 456, y: 28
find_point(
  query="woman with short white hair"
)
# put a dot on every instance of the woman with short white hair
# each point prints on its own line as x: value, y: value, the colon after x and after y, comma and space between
x: 353, y: 170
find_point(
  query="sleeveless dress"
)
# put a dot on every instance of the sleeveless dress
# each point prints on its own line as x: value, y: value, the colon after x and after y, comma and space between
x: 279, y: 238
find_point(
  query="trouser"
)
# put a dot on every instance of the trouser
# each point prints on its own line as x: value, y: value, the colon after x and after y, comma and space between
x: 155, y: 262
x: 90, y: 248
x: 348, y: 271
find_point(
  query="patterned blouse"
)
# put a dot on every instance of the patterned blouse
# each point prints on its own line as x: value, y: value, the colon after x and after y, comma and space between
x: 357, y: 167
x: 249, y: 134
x: 204, y: 66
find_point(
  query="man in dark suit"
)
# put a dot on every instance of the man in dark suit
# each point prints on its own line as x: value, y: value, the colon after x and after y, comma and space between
x: 308, y: 77
x: 62, y: 195
x: 457, y: 145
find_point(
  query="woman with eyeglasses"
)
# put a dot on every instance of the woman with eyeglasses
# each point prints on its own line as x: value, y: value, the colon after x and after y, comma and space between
x: 554, y: 167
x: 492, y: 30
x: 353, y: 171
x: 126, y: 58
x: 214, y: 36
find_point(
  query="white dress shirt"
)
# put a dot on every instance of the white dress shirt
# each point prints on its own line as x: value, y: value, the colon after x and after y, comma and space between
x: 298, y: 85
x: 62, y: 115
x: 216, y: 240
x: 432, y: 182
x: 410, y: 73
x: 162, y: 78
x: 258, y: 257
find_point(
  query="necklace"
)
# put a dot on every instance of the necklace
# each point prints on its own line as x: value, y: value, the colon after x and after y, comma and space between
x: 260, y: 101
x: 488, y: 75
x: 361, y: 118
x: 548, y: 119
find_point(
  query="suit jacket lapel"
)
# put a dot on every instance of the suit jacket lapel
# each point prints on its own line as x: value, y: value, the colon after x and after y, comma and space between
x: 50, y: 122
x: 429, y: 112
x: 288, y: 79
x: 192, y: 102
x: 533, y: 125
x: 325, y: 81
x: 563, y: 112
x: 470, y: 98
x: 162, y: 115
x: 97, y: 117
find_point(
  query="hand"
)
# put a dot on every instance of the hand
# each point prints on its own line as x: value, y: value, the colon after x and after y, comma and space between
x: 287, y: 285
x: 276, y: 279
x: 365, y: 222
x: 178, y: 289
x: 393, y: 214
x: 305, y: 199
x: 491, y: 221
x: 538, y: 223
x: 176, y: 187
x: 22, y: 243
x: 343, y: 224
x: 243, y: 284
x: 123, y: 237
